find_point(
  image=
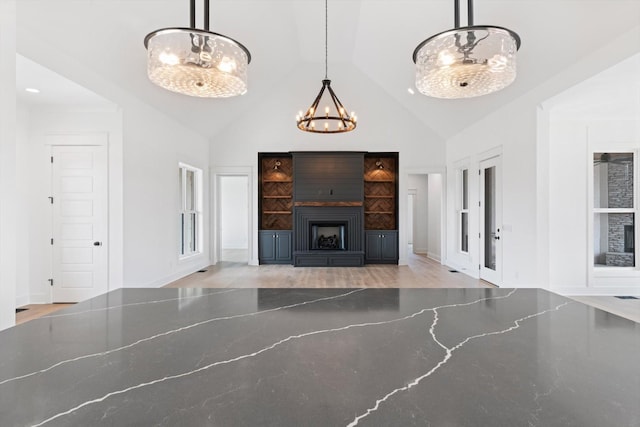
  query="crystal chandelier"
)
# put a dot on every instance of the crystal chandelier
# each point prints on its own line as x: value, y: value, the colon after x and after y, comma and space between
x: 197, y: 62
x: 334, y: 118
x: 466, y: 61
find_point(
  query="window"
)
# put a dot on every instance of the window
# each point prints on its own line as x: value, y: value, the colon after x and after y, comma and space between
x: 614, y: 210
x: 463, y: 212
x: 190, y: 179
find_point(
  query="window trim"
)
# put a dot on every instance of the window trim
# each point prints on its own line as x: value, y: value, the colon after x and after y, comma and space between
x: 183, y: 168
x: 601, y: 275
x: 460, y: 209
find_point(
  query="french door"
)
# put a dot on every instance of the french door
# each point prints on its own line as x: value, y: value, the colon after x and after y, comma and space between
x: 491, y: 220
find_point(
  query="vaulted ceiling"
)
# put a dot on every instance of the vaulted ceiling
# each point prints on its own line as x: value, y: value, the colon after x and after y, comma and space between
x: 286, y: 37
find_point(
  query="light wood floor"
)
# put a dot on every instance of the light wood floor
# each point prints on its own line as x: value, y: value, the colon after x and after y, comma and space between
x: 420, y: 272
x: 34, y: 311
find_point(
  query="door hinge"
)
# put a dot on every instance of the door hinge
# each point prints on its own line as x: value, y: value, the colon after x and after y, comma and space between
x: 50, y: 282
x: 479, y: 204
x: 50, y: 199
x: 479, y: 170
x: 52, y: 240
x: 479, y: 235
x: 51, y: 159
x: 479, y: 267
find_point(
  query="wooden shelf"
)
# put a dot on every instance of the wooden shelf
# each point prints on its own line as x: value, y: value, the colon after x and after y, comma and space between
x: 277, y: 212
x: 379, y: 180
x: 276, y: 197
x: 379, y: 212
x: 379, y: 197
x: 277, y: 180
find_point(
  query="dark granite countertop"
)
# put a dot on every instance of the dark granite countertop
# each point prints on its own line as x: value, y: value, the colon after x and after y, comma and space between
x: 322, y: 357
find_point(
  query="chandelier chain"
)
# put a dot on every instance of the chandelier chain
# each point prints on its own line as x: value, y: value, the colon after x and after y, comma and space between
x: 326, y: 40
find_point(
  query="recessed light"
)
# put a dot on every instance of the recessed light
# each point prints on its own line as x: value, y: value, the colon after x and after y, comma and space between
x: 411, y: 91
x: 32, y: 90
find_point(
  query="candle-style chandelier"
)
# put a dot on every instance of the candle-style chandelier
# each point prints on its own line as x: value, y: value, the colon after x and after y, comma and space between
x: 334, y: 118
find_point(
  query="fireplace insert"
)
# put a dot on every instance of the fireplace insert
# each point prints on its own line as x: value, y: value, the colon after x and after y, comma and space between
x: 328, y: 236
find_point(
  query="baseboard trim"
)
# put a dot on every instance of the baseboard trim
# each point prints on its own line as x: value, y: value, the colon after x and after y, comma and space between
x: 173, y: 277
x: 434, y: 257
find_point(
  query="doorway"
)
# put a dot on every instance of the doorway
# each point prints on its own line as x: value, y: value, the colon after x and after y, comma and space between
x: 233, y: 205
x: 411, y: 217
x: 491, y: 220
x: 80, y: 222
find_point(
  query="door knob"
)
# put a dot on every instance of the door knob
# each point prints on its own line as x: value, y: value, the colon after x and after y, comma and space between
x: 496, y: 237
x: 97, y: 243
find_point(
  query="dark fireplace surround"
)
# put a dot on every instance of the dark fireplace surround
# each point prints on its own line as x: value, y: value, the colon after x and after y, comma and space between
x: 343, y: 244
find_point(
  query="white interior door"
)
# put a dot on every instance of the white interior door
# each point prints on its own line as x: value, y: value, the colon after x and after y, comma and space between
x: 491, y: 221
x: 80, y: 256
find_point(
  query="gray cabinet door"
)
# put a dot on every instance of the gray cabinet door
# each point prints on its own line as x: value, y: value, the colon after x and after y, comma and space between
x: 267, y: 246
x: 381, y: 247
x: 372, y: 246
x: 274, y: 246
x: 283, y: 246
x: 389, y: 246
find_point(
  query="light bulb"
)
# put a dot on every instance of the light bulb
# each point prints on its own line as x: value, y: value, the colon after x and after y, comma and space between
x: 326, y: 126
x: 326, y: 111
x: 227, y: 65
x: 446, y: 58
x: 169, y: 58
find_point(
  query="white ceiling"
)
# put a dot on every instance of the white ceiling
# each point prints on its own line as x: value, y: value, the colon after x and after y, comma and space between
x: 375, y: 37
x: 55, y: 91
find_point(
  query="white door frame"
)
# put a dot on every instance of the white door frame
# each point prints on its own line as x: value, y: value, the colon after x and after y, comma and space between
x: 493, y: 276
x: 412, y: 192
x: 252, y: 221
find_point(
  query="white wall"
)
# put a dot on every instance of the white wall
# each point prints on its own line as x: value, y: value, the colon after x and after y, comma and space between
x: 570, y: 253
x: 25, y: 174
x: 152, y: 145
x: 7, y: 163
x: 513, y: 131
x: 34, y: 251
x: 419, y: 183
x: 234, y: 212
x: 434, y: 216
x: 383, y: 125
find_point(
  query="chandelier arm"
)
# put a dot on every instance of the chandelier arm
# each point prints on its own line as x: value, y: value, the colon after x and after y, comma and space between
x: 192, y: 9
x: 338, y: 105
x: 206, y: 15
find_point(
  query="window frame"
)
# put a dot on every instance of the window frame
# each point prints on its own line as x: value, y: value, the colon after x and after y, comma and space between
x: 194, y: 211
x: 602, y: 275
x: 463, y: 194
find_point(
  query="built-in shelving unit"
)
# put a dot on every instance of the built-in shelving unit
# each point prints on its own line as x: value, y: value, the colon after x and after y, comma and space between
x: 276, y: 191
x: 380, y: 191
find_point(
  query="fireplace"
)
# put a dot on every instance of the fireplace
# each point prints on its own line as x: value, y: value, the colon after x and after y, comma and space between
x: 628, y: 238
x: 328, y: 236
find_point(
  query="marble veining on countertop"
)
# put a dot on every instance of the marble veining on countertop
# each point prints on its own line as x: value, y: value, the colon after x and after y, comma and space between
x: 322, y: 357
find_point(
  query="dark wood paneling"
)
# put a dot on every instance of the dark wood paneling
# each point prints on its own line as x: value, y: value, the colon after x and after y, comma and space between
x: 328, y: 176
